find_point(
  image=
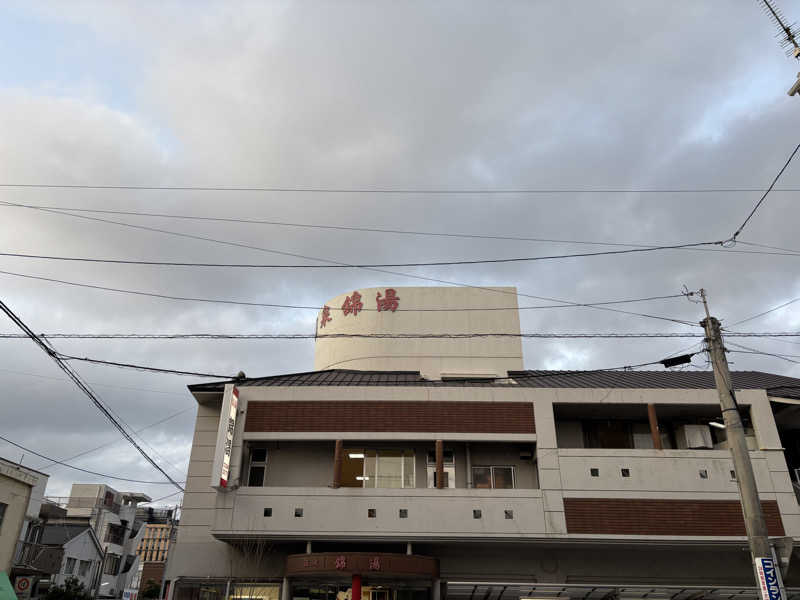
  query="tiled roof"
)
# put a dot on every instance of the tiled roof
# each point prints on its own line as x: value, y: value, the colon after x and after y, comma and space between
x: 776, y: 385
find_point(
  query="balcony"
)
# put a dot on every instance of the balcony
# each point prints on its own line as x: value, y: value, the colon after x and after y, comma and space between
x: 407, y: 514
x: 37, y: 557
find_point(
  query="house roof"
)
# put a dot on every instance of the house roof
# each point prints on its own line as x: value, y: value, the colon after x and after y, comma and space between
x: 58, y: 534
x: 775, y: 385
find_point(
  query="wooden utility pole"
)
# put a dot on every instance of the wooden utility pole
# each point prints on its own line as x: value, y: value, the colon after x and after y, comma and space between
x: 755, y: 525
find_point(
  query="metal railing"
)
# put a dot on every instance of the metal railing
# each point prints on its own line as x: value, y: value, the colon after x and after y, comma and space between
x: 46, y: 559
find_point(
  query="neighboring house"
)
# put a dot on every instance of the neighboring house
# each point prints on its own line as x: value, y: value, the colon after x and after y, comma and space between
x: 112, y: 517
x: 82, y: 553
x: 431, y: 468
x: 16, y: 488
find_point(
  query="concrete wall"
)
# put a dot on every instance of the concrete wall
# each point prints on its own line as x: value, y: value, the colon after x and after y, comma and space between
x: 433, y: 357
x: 15, y: 492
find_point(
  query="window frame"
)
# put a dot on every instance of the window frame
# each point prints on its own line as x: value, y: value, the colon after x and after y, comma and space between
x: 69, y: 565
x: 257, y: 463
x: 405, y: 453
x: 492, y: 477
x: 83, y: 567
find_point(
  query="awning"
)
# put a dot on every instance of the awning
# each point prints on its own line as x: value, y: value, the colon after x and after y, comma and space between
x: 6, y: 589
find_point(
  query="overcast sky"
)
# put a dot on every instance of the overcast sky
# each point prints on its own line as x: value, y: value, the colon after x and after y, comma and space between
x: 441, y: 95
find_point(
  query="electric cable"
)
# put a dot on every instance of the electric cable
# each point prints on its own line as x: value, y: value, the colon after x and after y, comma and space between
x: 85, y: 452
x: 764, y: 196
x: 85, y: 388
x: 318, y: 308
x: 441, y: 263
x: 105, y: 475
x: 376, y: 270
x: 749, y: 350
x: 379, y: 190
x: 766, y: 312
x: 455, y: 336
x: 782, y: 251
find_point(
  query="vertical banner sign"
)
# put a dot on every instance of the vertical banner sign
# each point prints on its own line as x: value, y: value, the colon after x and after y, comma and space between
x: 768, y: 579
x: 226, y: 457
x: 224, y: 446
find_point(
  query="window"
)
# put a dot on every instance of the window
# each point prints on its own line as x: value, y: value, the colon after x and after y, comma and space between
x: 625, y: 472
x: 267, y: 512
x: 476, y: 513
x: 69, y: 567
x: 378, y: 469
x: 509, y: 514
x: 449, y: 461
x: 257, y: 468
x: 403, y: 513
x: 83, y: 568
x: 594, y: 472
x: 298, y: 512
x: 733, y: 475
x: 703, y: 474
x: 112, y: 564
x: 372, y: 513
x: 2, y: 513
x: 493, y: 477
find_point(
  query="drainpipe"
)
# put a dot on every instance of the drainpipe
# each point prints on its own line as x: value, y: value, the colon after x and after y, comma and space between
x: 469, y: 465
x: 285, y: 589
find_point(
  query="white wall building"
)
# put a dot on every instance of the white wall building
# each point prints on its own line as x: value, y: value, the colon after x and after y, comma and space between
x: 82, y: 556
x: 409, y: 469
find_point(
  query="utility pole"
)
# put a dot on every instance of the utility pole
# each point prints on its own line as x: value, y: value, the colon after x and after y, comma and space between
x: 764, y: 564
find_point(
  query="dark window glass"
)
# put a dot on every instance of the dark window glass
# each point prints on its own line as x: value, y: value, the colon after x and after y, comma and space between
x: 267, y: 512
x: 256, y: 478
x: 403, y: 513
x: 2, y: 512
x: 372, y: 513
x: 298, y: 512
x: 482, y: 477
x: 476, y: 513
x: 594, y: 472
x: 503, y: 477
x: 509, y: 514
x: 626, y: 472
x: 258, y: 455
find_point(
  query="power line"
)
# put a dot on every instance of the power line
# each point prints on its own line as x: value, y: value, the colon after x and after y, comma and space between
x: 159, y: 499
x: 440, y: 263
x: 111, y: 363
x: 61, y: 379
x: 784, y: 251
x: 100, y: 447
x: 378, y: 190
x: 748, y: 350
x: 311, y: 336
x: 377, y: 270
x: 764, y: 196
x: 766, y: 312
x: 58, y: 462
x: 84, y: 387
x: 318, y: 308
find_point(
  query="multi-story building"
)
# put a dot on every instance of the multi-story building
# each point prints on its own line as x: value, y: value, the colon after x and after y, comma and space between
x: 153, y: 550
x: 17, y: 499
x: 112, y: 517
x: 409, y: 468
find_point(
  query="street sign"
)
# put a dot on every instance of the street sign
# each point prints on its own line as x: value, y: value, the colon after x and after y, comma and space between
x: 769, y: 583
x: 22, y: 586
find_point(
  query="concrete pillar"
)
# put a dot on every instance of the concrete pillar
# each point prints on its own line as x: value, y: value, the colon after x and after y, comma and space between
x: 308, y: 547
x: 337, y: 464
x: 651, y: 415
x: 356, y: 594
x: 285, y: 591
x: 436, y: 589
x: 408, y: 548
x: 439, y: 464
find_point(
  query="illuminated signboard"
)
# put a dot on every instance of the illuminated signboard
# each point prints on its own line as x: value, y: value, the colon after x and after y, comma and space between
x: 224, y: 448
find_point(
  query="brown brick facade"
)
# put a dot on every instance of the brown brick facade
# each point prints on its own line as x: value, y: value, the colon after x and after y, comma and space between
x: 456, y: 417
x: 152, y: 570
x: 639, y: 516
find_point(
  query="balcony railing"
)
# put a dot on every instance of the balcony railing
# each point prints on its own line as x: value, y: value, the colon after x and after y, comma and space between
x: 45, y: 559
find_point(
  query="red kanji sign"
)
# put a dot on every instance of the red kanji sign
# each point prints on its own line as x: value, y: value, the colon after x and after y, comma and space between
x: 352, y: 304
x: 325, y: 317
x: 341, y: 562
x: 375, y: 563
x: 388, y: 302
